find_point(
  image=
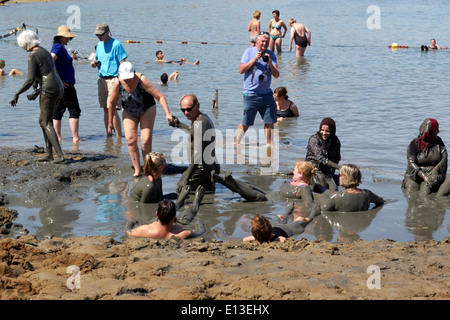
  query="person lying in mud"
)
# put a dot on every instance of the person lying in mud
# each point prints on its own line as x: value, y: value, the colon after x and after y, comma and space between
x: 351, y: 198
x: 263, y: 231
x: 297, y: 188
x: 165, y: 227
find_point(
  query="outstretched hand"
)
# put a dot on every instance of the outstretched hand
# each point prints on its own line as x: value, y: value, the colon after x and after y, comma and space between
x: 13, y: 102
x: 174, y: 122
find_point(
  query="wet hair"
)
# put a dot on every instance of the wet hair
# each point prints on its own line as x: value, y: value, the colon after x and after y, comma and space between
x: 282, y: 91
x: 153, y: 161
x: 157, y: 52
x: 277, y: 12
x: 28, y: 39
x: 164, y: 78
x: 292, y: 21
x: 2, y: 63
x: 166, y: 212
x: 194, y: 99
x: 305, y: 167
x: 351, y: 175
x: 261, y: 228
x: 256, y: 14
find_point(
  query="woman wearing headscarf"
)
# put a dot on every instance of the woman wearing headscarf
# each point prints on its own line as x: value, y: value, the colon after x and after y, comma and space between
x: 427, y: 160
x: 324, y: 151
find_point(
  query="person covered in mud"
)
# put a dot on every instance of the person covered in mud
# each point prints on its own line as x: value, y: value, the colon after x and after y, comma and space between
x: 427, y: 160
x: 263, y: 231
x: 297, y: 188
x: 148, y: 189
x: 324, y: 151
x: 444, y: 189
x: 42, y: 73
x: 202, y: 161
x: 165, y: 227
x: 352, y: 198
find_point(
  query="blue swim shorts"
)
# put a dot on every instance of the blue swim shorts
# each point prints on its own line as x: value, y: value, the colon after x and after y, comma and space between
x: 262, y: 103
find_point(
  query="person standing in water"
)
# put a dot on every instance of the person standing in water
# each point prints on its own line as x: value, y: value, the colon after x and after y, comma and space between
x: 42, y: 72
x: 254, y: 27
x: 298, y: 34
x: 66, y: 71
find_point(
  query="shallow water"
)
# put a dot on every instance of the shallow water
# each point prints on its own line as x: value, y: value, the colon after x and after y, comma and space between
x: 377, y: 96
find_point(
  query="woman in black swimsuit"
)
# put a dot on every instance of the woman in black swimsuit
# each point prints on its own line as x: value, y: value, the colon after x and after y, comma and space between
x: 285, y: 107
x: 298, y: 33
x: 138, y: 96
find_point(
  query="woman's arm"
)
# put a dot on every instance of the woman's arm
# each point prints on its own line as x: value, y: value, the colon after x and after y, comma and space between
x: 150, y: 88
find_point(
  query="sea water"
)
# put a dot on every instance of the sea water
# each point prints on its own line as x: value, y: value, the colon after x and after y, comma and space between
x: 378, y: 97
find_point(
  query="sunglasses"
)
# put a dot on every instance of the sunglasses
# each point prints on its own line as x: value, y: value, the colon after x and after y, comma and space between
x: 187, y: 109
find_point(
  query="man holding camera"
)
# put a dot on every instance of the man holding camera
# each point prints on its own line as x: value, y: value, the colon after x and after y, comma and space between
x: 108, y: 57
x: 258, y: 64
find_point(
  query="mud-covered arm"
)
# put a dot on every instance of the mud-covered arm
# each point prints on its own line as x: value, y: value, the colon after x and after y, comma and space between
x: 31, y: 78
x: 199, y: 230
x: 177, y: 124
x: 377, y: 200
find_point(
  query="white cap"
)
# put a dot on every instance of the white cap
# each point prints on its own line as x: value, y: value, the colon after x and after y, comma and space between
x: 126, y: 70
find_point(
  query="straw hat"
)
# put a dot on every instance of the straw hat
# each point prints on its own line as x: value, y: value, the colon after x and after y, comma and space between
x: 64, y: 31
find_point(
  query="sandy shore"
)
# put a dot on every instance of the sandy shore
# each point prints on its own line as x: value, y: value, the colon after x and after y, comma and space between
x: 192, y: 269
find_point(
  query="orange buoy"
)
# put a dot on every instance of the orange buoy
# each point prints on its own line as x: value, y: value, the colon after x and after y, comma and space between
x: 184, y: 42
x: 204, y: 42
x: 159, y: 41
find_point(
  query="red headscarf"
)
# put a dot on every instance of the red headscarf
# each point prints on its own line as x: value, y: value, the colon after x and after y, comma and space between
x: 426, y: 134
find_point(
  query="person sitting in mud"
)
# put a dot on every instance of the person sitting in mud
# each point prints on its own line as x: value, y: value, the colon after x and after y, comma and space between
x: 297, y: 188
x: 160, y: 58
x: 263, y: 231
x: 352, y: 198
x: 149, y: 188
x: 427, y: 160
x: 324, y: 151
x: 202, y: 161
x: 13, y: 71
x: 165, y: 227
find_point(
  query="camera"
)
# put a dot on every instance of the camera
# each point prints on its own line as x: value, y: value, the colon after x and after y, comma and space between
x: 34, y: 95
x: 97, y: 63
x: 264, y: 57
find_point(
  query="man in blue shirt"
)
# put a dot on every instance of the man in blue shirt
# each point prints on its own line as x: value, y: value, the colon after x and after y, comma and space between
x: 258, y: 64
x: 109, y: 55
x: 66, y: 71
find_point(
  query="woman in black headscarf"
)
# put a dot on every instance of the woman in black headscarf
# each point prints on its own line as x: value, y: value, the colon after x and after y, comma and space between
x: 324, y: 151
x: 427, y: 160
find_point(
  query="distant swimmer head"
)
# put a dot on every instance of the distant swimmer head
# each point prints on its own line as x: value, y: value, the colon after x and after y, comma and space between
x: 2, y: 63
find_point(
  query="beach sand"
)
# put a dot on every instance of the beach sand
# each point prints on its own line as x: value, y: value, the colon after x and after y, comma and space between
x: 192, y: 269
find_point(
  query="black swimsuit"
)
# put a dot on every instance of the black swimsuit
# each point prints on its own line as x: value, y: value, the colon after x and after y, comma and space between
x: 285, y: 113
x: 136, y: 103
